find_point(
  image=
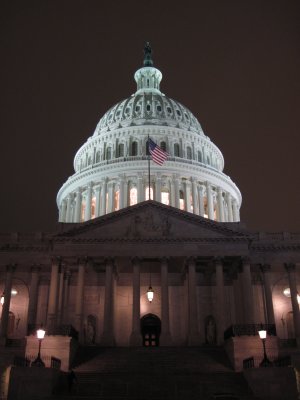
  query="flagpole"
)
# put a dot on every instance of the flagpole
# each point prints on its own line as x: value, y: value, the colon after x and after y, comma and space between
x: 148, y: 167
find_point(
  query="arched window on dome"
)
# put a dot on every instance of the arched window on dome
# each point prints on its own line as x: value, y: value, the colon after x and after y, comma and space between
x: 93, y: 208
x: 89, y: 160
x: 97, y: 158
x: 181, y: 200
x: 188, y: 153
x: 134, y: 148
x: 108, y: 153
x: 207, y: 160
x: 121, y: 150
x: 199, y: 156
x: 147, y: 193
x: 176, y: 150
x: 165, y: 197
x: 163, y: 146
x: 117, y: 200
x: 133, y: 196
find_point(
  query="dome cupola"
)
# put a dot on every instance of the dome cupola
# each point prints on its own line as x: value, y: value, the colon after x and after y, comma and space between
x: 111, y: 168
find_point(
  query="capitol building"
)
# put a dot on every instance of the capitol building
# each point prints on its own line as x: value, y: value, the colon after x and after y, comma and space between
x: 150, y: 255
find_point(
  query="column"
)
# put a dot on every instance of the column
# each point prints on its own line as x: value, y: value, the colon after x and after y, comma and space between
x: 210, y: 203
x: 33, y: 295
x: 135, y: 337
x: 247, y: 292
x: 220, y: 204
x: 158, y: 187
x: 103, y: 197
x: 176, y: 191
x: 78, y: 201
x: 140, y: 196
x: 229, y: 207
x: 220, y: 300
x: 88, y: 202
x: 201, y: 200
x: 188, y: 196
x: 108, y: 331
x: 7, y: 296
x: 172, y: 193
x: 63, y: 211
x: 265, y: 268
x: 60, y: 295
x: 97, y: 207
x: 122, y: 191
x: 194, y: 196
x: 110, y: 198
x: 53, y: 294
x: 235, y: 211
x: 291, y: 270
x: 69, y: 208
x: 65, y: 315
x: 79, y: 296
x: 165, y: 338
x: 126, y: 194
x: 193, y: 334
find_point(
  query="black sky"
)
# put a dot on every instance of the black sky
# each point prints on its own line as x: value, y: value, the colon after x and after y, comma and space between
x: 234, y: 64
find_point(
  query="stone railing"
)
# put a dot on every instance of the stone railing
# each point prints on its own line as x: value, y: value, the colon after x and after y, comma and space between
x: 248, y: 330
x: 252, y: 362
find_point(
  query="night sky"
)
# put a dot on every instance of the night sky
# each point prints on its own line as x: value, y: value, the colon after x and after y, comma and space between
x: 234, y: 64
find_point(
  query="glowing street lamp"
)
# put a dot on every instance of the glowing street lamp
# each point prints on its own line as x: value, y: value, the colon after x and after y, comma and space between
x: 263, y: 335
x: 40, y: 334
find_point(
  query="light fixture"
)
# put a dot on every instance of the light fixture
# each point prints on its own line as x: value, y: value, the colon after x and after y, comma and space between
x: 263, y: 335
x: 2, y: 299
x: 14, y: 292
x: 150, y: 292
x: 40, y: 334
x: 287, y: 293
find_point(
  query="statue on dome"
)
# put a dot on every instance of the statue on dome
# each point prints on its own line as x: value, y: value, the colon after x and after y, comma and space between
x: 148, y: 62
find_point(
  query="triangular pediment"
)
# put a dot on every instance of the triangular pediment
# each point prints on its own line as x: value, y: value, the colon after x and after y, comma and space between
x: 151, y: 220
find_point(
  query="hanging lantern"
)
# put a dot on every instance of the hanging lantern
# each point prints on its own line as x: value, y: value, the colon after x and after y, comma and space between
x: 150, y: 294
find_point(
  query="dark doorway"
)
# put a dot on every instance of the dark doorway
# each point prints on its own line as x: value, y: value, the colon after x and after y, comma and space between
x: 150, y: 327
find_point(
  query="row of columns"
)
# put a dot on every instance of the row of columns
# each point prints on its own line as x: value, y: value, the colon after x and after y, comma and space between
x: 59, y: 293
x: 195, y: 195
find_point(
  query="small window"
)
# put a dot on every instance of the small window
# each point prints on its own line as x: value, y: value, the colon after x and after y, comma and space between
x: 188, y: 153
x: 158, y: 108
x: 178, y: 113
x: 148, y: 107
x: 169, y: 110
x: 186, y: 116
x: 121, y: 150
x: 108, y: 153
x: 176, y: 150
x: 137, y: 108
x: 199, y: 156
x: 127, y: 110
x: 98, y: 156
x: 134, y: 148
x: 163, y: 146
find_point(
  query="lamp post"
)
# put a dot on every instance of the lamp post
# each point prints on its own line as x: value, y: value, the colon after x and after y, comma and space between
x: 263, y: 335
x: 40, y: 334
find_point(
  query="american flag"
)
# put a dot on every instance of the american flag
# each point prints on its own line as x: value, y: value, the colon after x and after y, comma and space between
x: 158, y: 155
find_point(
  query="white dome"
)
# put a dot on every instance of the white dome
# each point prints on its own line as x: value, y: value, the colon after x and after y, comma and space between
x: 111, y: 168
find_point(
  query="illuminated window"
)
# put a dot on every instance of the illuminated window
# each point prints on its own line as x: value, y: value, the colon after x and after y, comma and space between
x: 121, y: 150
x: 181, y: 200
x: 188, y: 153
x: 165, y: 197
x: 134, y: 149
x: 93, y: 208
x: 176, y: 150
x: 108, y: 153
x: 117, y: 200
x: 147, y: 193
x: 133, y: 196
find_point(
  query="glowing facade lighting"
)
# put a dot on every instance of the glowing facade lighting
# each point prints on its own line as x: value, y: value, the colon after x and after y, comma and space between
x: 287, y: 293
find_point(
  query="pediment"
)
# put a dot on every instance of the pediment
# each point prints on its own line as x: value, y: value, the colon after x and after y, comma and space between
x: 150, y: 220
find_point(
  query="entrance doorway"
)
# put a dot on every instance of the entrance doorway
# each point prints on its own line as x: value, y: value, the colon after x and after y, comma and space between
x: 150, y: 327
